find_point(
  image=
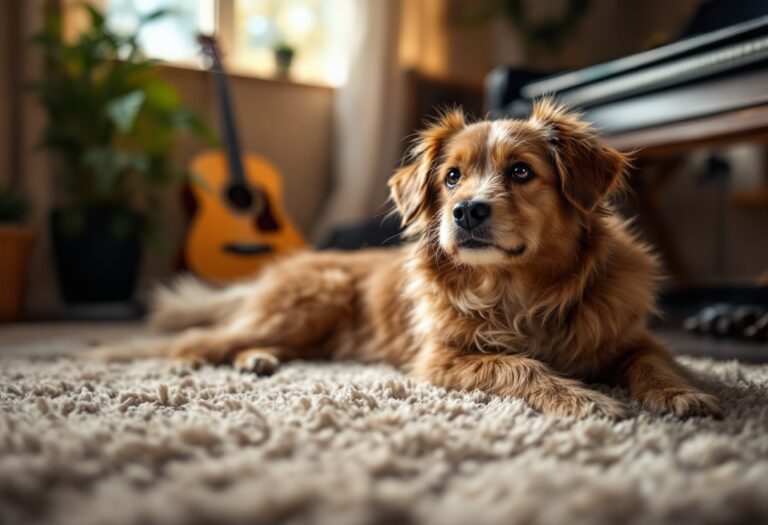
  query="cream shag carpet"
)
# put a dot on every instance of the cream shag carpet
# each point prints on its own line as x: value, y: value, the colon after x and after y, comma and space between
x: 90, y: 442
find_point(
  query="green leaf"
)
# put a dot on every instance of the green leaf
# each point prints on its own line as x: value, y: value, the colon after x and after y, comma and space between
x: 193, y: 122
x: 97, y: 17
x: 124, y: 110
x: 161, y: 95
x: 155, y: 15
x: 109, y: 165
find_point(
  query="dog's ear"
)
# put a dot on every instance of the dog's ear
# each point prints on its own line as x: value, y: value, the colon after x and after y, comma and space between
x: 410, y: 184
x: 588, y: 169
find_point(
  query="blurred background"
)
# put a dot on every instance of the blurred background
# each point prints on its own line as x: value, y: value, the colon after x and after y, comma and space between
x: 108, y: 109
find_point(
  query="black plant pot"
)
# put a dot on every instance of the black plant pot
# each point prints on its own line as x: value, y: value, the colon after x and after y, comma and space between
x: 283, y: 61
x: 96, y: 262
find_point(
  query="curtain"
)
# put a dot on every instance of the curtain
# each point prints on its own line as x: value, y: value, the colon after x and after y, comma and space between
x: 368, y: 118
x: 10, y: 67
x: 21, y: 161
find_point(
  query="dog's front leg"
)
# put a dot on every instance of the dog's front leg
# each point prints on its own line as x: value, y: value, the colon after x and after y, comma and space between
x: 509, y: 375
x: 213, y: 345
x: 660, y: 384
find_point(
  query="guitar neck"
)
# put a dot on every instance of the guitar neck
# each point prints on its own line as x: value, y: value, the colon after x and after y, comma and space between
x: 229, y: 128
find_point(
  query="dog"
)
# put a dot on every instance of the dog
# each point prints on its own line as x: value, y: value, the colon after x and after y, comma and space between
x: 517, y: 279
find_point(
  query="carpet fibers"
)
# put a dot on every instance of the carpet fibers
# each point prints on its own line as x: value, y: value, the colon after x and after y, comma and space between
x: 87, y: 442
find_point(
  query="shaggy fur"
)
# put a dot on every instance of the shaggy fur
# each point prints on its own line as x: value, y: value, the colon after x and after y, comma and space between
x: 549, y: 292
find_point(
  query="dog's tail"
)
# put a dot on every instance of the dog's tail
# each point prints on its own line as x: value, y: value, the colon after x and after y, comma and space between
x: 189, y: 302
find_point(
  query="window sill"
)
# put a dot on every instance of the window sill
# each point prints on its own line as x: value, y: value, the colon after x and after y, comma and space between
x: 236, y: 71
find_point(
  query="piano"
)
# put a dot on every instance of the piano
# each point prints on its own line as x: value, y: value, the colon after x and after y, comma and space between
x: 711, y: 87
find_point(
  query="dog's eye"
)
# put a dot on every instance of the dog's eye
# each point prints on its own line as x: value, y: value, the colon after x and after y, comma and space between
x: 519, y: 172
x: 453, y: 177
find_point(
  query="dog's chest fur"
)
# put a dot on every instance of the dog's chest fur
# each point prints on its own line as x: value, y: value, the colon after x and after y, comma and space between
x: 478, y: 315
x: 492, y: 315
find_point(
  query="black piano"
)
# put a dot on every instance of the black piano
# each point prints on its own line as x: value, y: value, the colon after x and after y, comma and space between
x: 709, y: 73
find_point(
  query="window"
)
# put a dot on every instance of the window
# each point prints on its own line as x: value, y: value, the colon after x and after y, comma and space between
x: 318, y: 31
x: 171, y: 38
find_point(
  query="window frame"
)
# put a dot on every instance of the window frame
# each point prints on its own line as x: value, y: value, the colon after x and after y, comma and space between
x: 223, y: 25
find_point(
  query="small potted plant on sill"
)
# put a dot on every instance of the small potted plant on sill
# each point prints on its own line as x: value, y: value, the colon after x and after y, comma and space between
x: 284, y: 54
x: 16, y: 241
x: 112, y: 125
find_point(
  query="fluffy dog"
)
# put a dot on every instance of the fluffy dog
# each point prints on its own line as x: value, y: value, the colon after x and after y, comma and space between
x: 519, y: 280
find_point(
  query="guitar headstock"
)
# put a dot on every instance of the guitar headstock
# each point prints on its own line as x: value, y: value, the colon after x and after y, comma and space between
x: 210, y: 48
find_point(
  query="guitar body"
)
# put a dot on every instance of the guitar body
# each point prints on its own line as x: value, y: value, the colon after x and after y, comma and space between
x: 237, y: 228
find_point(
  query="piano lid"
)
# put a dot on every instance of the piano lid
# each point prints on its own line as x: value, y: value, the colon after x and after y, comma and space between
x: 713, y: 50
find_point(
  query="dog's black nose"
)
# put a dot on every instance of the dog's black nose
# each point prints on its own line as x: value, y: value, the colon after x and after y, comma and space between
x: 471, y: 214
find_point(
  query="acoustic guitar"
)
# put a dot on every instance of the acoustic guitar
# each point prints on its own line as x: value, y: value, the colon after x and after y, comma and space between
x: 239, y: 224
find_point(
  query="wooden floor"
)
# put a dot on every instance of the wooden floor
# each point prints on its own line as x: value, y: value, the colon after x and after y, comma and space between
x: 684, y: 343
x: 58, y: 337
x: 42, y: 338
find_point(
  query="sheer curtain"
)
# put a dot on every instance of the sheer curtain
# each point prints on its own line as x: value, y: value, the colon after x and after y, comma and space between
x: 368, y: 117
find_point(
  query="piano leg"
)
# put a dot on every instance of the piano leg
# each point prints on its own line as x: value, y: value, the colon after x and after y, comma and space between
x: 651, y: 180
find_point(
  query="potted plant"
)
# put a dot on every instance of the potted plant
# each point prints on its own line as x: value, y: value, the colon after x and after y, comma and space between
x: 284, y: 54
x: 112, y: 124
x: 16, y: 243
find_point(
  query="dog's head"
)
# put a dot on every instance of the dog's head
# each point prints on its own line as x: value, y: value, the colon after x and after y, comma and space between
x: 501, y: 192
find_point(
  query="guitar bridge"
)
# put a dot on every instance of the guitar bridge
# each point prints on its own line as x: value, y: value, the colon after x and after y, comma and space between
x: 247, y: 249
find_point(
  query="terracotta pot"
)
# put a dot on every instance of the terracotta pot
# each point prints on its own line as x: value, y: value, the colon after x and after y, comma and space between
x: 15, y: 246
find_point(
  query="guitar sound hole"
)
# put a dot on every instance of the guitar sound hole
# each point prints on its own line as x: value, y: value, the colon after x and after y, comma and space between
x: 240, y: 196
x: 265, y: 220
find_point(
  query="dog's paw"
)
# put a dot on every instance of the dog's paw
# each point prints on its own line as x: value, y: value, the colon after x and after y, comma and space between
x: 609, y: 408
x: 682, y: 403
x: 259, y: 362
x: 601, y: 405
x: 183, y: 365
x: 583, y: 403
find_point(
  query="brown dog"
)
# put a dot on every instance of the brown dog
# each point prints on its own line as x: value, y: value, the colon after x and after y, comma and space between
x: 519, y: 280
